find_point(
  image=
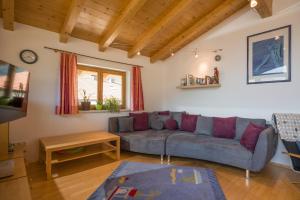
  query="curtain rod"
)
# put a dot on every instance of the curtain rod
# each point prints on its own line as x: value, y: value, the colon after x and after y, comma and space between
x: 60, y: 50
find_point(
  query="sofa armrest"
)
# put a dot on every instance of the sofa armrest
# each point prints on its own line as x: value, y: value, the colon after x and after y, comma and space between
x: 265, y: 149
x: 113, y: 124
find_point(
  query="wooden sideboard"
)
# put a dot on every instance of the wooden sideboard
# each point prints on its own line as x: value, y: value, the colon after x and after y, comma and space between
x: 16, y: 186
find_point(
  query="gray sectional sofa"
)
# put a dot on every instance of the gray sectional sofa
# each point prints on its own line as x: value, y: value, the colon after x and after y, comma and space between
x: 201, y: 144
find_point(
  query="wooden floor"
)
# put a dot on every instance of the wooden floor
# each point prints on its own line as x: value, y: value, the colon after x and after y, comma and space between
x: 78, y: 179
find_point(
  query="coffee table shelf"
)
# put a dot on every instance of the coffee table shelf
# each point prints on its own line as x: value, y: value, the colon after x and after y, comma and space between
x: 93, y: 143
x: 88, y: 151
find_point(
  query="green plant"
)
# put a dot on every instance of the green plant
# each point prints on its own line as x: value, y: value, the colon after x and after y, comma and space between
x: 20, y: 92
x: 99, y: 105
x: 112, y: 104
x: 4, y: 101
x: 85, y: 97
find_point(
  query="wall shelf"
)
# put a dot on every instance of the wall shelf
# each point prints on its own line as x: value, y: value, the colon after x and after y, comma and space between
x: 199, y: 86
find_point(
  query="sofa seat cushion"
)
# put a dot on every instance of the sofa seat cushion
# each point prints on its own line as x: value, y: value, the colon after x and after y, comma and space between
x: 149, y: 141
x: 220, y: 150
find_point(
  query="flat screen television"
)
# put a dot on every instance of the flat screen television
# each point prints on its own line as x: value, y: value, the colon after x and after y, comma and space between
x: 14, y: 85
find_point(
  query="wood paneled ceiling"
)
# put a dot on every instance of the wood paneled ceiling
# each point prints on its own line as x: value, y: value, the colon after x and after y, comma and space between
x: 155, y: 28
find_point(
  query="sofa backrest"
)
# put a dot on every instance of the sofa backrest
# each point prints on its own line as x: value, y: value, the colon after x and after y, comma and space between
x: 113, y: 124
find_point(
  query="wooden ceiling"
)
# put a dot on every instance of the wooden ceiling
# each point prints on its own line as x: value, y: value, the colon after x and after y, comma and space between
x: 155, y: 28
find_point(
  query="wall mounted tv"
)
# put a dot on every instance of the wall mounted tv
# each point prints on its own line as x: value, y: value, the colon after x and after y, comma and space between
x: 14, y: 85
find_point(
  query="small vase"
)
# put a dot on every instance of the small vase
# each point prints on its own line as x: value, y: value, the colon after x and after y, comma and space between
x: 85, y: 105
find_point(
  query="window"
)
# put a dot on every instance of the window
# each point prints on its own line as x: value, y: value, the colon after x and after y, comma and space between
x: 101, y: 84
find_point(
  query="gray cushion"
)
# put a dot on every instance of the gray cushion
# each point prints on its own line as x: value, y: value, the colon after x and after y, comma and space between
x: 157, y: 124
x: 204, y: 125
x: 125, y: 124
x: 151, y: 117
x: 242, y: 123
x: 177, y: 117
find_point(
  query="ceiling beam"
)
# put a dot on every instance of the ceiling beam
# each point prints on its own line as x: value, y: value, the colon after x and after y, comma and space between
x: 113, y: 30
x: 71, y: 19
x: 8, y: 14
x: 201, y: 26
x: 160, y: 24
x: 264, y: 8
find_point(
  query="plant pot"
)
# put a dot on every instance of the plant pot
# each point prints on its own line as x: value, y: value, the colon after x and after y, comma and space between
x: 85, y: 105
x: 17, y: 102
x: 99, y: 107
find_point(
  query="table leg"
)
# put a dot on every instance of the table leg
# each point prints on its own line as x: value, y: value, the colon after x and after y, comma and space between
x: 118, y: 149
x: 41, y: 153
x: 48, y: 164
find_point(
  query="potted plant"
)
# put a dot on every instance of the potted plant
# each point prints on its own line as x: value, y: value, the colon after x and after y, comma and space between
x: 85, y: 104
x: 112, y: 104
x: 17, y: 100
x: 99, y: 105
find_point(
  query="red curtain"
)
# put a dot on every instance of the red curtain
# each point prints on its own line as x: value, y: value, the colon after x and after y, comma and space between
x: 68, y: 103
x: 137, y: 89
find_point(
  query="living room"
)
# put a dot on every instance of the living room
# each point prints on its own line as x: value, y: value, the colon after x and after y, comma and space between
x: 200, y: 66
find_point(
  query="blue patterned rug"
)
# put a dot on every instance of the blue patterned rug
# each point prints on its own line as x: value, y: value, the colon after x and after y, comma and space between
x: 141, y: 181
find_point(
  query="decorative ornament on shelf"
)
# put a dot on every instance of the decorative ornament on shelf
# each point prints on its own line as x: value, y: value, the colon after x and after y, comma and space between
x: 189, y: 81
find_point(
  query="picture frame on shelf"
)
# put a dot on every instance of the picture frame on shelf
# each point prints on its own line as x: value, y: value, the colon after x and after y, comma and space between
x: 269, y: 56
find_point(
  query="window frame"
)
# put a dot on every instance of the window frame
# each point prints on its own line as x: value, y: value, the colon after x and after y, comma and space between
x: 100, y: 72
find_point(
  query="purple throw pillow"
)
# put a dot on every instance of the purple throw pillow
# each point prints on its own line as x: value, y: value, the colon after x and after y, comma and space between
x: 188, y: 122
x: 140, y: 121
x: 164, y: 112
x: 250, y: 136
x: 224, y: 127
x: 171, y: 124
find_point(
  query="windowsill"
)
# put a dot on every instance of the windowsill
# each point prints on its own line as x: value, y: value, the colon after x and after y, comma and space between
x: 103, y: 111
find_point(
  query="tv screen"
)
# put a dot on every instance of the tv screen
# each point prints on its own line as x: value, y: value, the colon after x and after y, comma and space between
x: 14, y: 85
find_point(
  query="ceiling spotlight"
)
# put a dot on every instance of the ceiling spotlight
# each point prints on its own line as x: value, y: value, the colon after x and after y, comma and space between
x: 253, y: 3
x: 172, y: 54
x: 196, y: 53
x: 138, y: 53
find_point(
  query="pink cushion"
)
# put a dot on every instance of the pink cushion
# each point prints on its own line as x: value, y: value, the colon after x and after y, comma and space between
x: 140, y: 121
x: 164, y: 112
x: 171, y: 124
x: 224, y: 127
x: 250, y: 136
x: 188, y: 122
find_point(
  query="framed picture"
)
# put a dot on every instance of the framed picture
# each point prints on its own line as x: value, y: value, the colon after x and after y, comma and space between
x: 269, y: 56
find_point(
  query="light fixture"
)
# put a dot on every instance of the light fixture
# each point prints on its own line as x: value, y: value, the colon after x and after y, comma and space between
x: 172, y: 54
x: 253, y: 3
x: 196, y: 53
x: 138, y: 53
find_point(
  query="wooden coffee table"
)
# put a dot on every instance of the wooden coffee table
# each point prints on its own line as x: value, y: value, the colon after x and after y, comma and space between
x: 93, y: 143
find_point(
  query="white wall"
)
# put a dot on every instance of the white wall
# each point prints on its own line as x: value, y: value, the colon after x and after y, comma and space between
x: 235, y: 97
x: 44, y: 84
